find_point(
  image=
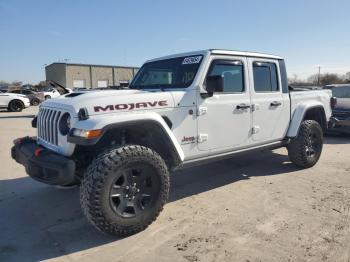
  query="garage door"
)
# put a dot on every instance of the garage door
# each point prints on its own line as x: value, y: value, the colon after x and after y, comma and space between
x: 102, y: 83
x: 78, y: 83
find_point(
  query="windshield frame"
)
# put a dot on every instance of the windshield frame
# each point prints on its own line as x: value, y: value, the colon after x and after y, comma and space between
x: 167, y: 86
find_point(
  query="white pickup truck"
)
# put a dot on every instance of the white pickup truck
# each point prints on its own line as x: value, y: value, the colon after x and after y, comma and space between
x: 180, y: 110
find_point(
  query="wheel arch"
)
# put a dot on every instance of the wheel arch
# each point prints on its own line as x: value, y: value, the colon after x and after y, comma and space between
x: 150, y: 131
x: 303, y: 112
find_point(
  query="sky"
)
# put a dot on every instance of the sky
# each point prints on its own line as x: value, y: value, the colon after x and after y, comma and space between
x: 34, y: 33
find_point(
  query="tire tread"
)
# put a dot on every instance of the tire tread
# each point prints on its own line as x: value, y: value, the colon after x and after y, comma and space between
x: 95, y: 175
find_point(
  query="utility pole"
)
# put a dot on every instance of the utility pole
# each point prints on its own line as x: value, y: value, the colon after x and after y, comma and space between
x: 318, y: 76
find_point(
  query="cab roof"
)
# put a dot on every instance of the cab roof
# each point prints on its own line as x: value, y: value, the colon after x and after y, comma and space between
x: 220, y: 52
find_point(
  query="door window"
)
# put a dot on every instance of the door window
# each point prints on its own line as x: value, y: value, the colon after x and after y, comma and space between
x: 265, y: 77
x: 232, y: 72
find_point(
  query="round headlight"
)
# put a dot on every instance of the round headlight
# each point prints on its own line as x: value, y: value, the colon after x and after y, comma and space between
x: 64, y: 124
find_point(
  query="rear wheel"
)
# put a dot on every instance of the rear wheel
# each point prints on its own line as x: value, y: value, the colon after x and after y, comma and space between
x: 16, y: 106
x: 305, y: 149
x: 124, y: 189
x: 35, y: 101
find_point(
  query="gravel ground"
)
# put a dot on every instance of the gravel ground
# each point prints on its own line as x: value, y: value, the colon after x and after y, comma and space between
x: 259, y: 207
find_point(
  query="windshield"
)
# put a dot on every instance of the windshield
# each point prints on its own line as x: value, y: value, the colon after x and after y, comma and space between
x: 341, y: 91
x: 169, y: 73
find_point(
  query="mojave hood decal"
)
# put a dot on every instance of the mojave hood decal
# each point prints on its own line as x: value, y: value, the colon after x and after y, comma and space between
x: 104, y: 102
x: 131, y: 106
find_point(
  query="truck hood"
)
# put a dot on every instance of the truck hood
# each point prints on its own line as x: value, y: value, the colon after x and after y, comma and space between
x: 112, y: 101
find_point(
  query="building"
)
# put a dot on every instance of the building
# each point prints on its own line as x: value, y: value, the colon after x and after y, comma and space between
x: 89, y: 76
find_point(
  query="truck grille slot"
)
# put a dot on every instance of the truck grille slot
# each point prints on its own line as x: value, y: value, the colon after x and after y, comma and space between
x: 48, y: 125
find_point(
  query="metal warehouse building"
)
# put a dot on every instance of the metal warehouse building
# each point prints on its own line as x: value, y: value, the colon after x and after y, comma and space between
x: 89, y: 76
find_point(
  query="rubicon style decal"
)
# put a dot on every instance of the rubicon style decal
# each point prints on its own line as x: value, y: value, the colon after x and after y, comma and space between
x: 130, y: 106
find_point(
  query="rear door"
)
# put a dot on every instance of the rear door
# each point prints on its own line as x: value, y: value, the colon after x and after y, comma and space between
x: 224, y: 119
x: 270, y: 106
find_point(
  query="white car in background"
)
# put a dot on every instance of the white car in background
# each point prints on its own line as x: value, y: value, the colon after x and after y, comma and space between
x: 53, y: 92
x: 14, y: 102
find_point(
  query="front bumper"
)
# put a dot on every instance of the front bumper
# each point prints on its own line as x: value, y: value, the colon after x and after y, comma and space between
x: 42, y: 164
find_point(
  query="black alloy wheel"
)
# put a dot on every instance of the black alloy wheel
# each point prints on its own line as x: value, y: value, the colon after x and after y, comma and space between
x: 16, y: 106
x: 134, y: 190
x: 124, y: 189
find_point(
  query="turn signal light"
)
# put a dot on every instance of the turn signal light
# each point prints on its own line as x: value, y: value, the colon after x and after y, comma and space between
x: 89, y: 134
x: 93, y: 133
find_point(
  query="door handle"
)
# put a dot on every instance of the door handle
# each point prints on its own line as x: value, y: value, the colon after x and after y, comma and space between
x: 242, y: 106
x: 275, y: 103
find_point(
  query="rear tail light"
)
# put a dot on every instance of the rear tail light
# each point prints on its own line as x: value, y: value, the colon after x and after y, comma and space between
x: 333, y: 102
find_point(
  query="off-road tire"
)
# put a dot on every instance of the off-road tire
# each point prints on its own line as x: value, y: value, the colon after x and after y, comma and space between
x: 16, y: 106
x: 98, y: 179
x: 309, y: 138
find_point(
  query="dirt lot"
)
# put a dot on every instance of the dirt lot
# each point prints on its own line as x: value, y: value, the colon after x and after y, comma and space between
x: 254, y: 208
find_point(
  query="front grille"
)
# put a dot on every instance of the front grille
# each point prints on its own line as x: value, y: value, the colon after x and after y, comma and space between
x: 48, y: 125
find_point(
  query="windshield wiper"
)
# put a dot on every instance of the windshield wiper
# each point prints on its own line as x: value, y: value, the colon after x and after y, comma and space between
x: 162, y: 87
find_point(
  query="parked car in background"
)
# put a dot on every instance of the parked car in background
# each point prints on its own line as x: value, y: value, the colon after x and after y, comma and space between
x: 341, y: 110
x: 14, y: 102
x: 35, y: 98
x: 51, y: 93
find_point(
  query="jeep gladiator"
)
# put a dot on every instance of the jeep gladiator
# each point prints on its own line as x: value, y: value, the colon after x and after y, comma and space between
x: 180, y: 110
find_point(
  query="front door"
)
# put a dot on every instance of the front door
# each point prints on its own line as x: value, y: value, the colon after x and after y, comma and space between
x: 270, y: 106
x: 224, y: 119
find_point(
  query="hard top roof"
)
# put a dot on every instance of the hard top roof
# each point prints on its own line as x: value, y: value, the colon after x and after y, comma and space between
x: 220, y: 52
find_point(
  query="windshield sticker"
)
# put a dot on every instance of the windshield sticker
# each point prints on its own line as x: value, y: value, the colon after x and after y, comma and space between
x: 192, y: 60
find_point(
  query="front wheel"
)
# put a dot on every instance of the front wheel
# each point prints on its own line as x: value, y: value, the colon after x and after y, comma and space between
x: 305, y: 149
x: 16, y: 106
x: 124, y: 189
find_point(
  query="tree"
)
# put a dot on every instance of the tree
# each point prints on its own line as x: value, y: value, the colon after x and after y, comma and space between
x: 347, y: 78
x: 16, y: 83
x: 313, y: 79
x: 327, y: 79
x: 3, y: 83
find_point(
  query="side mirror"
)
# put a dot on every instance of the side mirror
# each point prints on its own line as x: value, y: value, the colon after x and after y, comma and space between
x: 214, y: 84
